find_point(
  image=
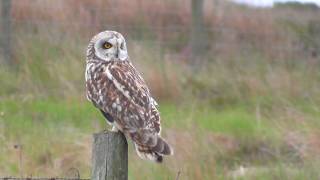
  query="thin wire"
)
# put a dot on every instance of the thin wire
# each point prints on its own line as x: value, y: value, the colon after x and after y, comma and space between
x: 39, y: 178
x: 171, y: 28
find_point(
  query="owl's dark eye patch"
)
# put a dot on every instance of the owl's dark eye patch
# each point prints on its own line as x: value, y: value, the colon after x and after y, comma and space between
x: 106, y: 45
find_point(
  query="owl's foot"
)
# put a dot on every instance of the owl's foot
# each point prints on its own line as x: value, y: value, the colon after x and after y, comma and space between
x: 114, y: 129
x: 105, y: 131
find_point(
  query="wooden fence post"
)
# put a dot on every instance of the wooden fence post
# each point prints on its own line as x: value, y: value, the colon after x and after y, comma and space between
x: 5, y: 35
x: 199, y: 36
x: 109, y: 156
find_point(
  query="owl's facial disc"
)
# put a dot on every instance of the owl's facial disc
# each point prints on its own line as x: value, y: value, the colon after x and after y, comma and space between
x: 110, y: 45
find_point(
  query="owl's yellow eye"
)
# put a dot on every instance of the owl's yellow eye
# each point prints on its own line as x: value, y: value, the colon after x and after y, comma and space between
x: 107, y: 45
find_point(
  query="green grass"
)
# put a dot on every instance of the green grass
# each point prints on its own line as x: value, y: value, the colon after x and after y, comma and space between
x: 236, y: 121
x: 52, y: 131
x: 244, y: 111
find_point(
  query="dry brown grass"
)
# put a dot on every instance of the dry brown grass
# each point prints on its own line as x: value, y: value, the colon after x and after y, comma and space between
x: 232, y: 30
x: 255, y: 66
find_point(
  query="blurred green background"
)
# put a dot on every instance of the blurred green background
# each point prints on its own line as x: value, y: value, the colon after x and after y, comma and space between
x: 238, y: 87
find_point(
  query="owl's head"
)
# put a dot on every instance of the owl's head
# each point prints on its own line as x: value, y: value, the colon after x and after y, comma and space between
x: 107, y: 46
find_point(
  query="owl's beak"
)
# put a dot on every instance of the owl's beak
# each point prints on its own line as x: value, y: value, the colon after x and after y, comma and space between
x: 121, y: 53
x: 118, y: 49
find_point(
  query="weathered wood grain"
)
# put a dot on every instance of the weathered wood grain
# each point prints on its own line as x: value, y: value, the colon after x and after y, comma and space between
x: 109, y: 156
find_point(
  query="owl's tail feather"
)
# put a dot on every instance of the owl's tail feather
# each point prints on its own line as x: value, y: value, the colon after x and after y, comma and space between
x: 151, y: 147
x: 162, y: 147
x: 153, y: 156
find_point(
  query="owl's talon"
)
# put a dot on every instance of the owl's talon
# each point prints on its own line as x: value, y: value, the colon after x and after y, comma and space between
x: 105, y: 131
x: 114, y: 129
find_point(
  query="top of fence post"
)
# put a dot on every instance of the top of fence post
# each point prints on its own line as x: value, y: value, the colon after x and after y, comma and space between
x: 109, y: 156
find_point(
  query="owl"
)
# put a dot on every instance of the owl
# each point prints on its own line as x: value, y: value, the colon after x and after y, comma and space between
x: 117, y: 89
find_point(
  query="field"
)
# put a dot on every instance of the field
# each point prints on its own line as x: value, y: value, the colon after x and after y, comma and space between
x: 250, y: 110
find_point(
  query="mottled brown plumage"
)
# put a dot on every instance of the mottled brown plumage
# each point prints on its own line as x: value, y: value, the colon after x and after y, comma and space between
x: 116, y: 88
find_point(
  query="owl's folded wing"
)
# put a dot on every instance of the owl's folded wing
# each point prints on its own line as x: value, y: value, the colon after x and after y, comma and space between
x: 120, y: 91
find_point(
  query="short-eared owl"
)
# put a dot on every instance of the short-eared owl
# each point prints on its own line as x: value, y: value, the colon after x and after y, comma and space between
x: 116, y: 88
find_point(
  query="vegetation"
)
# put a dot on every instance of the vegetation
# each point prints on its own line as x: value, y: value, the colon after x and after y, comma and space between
x: 249, y: 112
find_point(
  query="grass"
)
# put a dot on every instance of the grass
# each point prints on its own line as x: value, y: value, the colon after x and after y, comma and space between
x: 258, y: 121
x: 217, y: 123
x: 250, y: 112
x: 55, y: 135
